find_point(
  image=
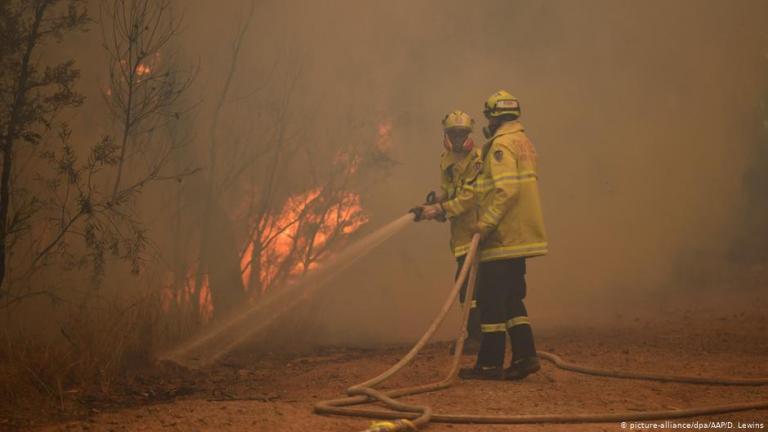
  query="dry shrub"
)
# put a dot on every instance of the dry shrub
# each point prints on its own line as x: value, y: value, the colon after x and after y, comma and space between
x: 85, y: 358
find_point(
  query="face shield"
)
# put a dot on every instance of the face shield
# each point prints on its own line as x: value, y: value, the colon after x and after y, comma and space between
x: 457, y: 140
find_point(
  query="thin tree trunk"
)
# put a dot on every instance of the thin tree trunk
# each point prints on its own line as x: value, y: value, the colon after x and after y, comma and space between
x: 10, y: 136
x: 204, y: 265
x: 126, y: 135
x: 254, y: 283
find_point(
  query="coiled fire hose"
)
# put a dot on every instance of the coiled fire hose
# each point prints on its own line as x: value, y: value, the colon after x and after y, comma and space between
x: 411, y: 417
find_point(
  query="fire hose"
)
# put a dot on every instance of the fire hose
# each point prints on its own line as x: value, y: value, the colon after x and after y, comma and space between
x: 411, y: 417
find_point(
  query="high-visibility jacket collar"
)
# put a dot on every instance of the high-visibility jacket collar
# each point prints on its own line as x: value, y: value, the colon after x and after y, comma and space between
x: 507, y: 128
x: 460, y: 160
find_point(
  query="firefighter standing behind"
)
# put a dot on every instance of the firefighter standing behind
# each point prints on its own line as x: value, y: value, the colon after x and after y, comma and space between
x: 461, y: 162
x: 511, y: 229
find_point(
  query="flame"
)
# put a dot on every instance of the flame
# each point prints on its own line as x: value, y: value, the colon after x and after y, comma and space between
x: 184, y: 296
x: 205, y: 303
x: 292, y: 241
x: 143, y: 69
x: 297, y: 237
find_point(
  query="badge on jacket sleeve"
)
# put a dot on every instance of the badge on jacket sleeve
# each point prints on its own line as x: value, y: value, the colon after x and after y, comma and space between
x: 498, y: 155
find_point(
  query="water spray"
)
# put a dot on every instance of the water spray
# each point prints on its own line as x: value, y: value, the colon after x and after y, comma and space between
x: 223, y: 336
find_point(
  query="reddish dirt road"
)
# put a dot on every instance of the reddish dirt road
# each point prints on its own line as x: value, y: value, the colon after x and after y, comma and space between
x: 276, y: 393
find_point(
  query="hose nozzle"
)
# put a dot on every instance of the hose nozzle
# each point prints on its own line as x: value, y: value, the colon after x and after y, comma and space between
x: 417, y: 212
x: 430, y: 200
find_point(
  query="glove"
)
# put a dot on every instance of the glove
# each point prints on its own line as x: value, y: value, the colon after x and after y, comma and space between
x: 426, y: 212
x: 433, y: 198
x: 432, y: 211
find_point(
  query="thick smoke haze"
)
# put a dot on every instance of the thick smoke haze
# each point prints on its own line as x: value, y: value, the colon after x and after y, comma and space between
x: 647, y: 117
x: 645, y: 114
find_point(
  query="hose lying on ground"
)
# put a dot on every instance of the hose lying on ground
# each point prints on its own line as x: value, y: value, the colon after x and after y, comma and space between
x: 410, y: 416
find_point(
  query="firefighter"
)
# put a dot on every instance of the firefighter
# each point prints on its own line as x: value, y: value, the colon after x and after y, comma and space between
x: 511, y: 229
x: 461, y: 162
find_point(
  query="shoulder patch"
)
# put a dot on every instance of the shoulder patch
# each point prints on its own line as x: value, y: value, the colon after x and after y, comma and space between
x: 498, y: 155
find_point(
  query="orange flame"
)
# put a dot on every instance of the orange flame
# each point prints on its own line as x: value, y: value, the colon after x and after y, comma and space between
x: 294, y: 240
x: 297, y: 237
x: 205, y: 303
x: 184, y: 297
x: 143, y: 69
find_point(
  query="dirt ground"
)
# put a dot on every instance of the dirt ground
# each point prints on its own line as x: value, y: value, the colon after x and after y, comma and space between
x: 277, y: 392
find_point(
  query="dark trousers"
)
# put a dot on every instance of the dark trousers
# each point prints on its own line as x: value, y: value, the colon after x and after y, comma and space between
x: 473, y: 323
x: 500, y: 297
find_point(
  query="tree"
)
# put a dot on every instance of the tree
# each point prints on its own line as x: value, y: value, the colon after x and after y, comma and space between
x: 226, y: 289
x: 30, y: 97
x: 68, y: 203
x: 144, y: 84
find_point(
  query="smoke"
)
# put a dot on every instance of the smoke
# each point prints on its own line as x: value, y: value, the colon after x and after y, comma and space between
x: 643, y: 114
x: 646, y: 116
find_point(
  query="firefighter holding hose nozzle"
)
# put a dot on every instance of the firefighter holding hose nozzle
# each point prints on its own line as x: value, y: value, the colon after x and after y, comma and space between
x: 460, y: 163
x: 505, y: 196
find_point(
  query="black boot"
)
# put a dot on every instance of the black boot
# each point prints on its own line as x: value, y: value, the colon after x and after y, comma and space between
x: 482, y: 373
x: 490, y: 359
x: 521, y: 337
x: 521, y: 368
x: 524, y: 359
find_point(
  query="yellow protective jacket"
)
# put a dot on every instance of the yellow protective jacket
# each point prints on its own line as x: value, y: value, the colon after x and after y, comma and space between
x: 507, y: 196
x: 455, y: 170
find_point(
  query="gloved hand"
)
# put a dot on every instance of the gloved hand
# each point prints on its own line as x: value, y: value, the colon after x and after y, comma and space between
x: 433, y: 198
x: 426, y: 212
x: 432, y: 211
x: 484, y: 230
